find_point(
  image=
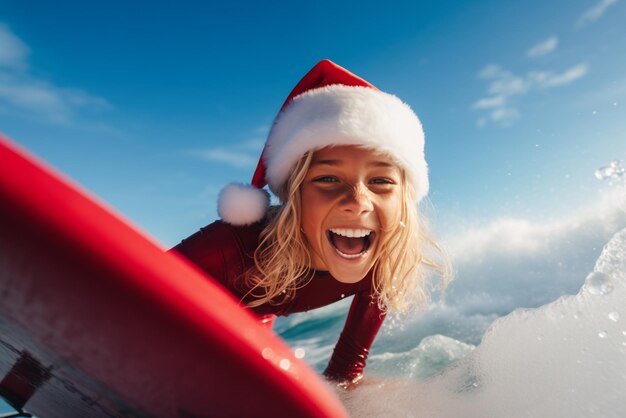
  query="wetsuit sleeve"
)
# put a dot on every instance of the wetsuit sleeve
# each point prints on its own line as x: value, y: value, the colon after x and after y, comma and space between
x: 215, y: 250
x: 362, y: 325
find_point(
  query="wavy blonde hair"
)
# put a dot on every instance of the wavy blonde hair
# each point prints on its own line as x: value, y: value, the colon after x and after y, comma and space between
x: 401, y: 265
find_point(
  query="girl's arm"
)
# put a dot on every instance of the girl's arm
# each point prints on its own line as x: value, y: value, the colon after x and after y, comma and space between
x: 350, y: 354
x: 216, y: 250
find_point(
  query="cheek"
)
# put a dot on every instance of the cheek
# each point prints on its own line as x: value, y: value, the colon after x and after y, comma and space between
x: 319, y: 201
x: 390, y: 211
x: 313, y: 211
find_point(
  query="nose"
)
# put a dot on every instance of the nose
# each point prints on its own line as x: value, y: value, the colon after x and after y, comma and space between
x: 357, y: 200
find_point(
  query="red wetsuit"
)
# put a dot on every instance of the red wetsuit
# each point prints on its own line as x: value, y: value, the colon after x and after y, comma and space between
x: 225, y: 252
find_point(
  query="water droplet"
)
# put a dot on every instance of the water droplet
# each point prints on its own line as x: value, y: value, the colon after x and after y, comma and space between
x: 598, y: 283
x: 600, y: 173
x: 267, y: 353
x: 299, y: 353
x: 343, y: 296
x: 613, y: 171
x: 603, y: 334
x: 284, y: 364
x: 614, y: 316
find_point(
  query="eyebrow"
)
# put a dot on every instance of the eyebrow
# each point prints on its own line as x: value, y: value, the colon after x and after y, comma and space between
x: 340, y: 162
x: 380, y: 164
x: 326, y: 162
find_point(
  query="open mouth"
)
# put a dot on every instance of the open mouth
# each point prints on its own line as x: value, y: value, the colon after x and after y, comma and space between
x: 351, y: 243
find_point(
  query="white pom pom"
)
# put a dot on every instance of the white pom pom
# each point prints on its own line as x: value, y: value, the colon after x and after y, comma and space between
x: 242, y: 204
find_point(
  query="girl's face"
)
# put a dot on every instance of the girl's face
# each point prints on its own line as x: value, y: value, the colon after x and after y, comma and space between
x: 350, y: 197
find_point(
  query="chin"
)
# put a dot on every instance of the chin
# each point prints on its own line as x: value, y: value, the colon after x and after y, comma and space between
x: 348, y: 278
x: 350, y: 271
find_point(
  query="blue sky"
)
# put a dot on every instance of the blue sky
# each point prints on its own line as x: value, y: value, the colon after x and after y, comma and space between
x: 154, y: 108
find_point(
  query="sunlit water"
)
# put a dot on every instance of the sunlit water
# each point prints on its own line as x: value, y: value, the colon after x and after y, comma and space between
x: 533, y: 326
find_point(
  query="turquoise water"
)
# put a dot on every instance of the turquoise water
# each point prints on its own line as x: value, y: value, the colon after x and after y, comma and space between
x: 4, y: 407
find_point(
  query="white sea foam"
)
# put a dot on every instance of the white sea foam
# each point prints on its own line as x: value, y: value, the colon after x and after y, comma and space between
x: 428, y: 358
x: 565, y: 359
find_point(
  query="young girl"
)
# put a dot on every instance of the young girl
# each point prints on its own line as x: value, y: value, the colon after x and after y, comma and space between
x: 347, y: 163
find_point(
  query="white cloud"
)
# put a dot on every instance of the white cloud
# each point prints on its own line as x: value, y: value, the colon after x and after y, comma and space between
x: 505, y: 88
x: 505, y: 115
x: 548, y: 79
x: 595, y: 13
x: 508, y: 85
x: 493, y: 71
x: 242, y: 155
x: 237, y: 159
x: 262, y: 130
x: 543, y: 47
x: 45, y: 101
x: 26, y: 95
x: 489, y: 102
x: 255, y: 144
x: 13, y: 52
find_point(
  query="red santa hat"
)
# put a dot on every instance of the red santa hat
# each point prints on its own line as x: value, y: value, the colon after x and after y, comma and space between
x: 330, y: 106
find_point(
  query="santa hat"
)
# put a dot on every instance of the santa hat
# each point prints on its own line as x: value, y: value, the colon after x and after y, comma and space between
x: 330, y: 106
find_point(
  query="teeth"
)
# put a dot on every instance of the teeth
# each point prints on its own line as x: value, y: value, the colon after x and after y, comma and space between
x: 344, y: 255
x: 351, y: 233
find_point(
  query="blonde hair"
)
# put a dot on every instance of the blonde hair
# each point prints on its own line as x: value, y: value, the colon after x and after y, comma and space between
x: 282, y: 258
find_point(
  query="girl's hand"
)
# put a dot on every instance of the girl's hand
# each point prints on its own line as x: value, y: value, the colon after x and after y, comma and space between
x: 348, y: 384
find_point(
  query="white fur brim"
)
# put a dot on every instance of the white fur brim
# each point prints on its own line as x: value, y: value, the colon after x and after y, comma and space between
x: 346, y: 115
x: 241, y: 204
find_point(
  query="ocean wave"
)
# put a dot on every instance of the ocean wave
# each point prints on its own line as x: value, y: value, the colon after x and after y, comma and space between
x: 567, y: 358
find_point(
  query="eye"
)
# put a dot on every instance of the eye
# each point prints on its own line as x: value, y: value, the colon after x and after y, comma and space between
x: 381, y: 181
x: 325, y: 179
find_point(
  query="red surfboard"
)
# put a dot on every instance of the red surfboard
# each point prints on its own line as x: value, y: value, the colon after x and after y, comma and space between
x: 98, y: 321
